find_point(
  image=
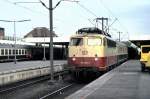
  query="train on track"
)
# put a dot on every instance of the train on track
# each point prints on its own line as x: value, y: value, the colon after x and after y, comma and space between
x: 8, y: 50
x: 26, y: 51
x: 92, y: 50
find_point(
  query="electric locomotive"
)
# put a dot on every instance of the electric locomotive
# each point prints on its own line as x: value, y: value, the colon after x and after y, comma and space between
x: 93, y: 50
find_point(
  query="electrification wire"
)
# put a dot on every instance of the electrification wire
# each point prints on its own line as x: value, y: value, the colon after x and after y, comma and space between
x: 113, y: 15
x: 82, y: 6
x: 95, y: 25
x: 89, y: 11
x: 107, y: 9
x: 31, y: 10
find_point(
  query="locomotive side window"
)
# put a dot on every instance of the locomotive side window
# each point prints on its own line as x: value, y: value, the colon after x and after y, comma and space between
x: 111, y: 43
x: 145, y: 49
x: 76, y: 41
x: 104, y: 41
x: 94, y: 41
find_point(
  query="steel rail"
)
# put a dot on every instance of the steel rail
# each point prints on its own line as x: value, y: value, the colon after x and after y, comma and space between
x: 22, y: 85
x: 54, y: 92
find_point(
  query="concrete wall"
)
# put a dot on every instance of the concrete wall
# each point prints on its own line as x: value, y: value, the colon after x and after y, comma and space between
x: 15, y: 76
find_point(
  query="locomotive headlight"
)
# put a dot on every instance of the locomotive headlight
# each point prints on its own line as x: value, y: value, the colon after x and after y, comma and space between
x: 73, y: 59
x: 96, y: 59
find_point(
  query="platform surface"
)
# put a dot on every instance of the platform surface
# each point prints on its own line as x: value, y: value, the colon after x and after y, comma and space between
x: 6, y: 67
x: 124, y: 82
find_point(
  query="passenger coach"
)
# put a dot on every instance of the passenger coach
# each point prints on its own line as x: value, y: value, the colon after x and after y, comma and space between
x: 8, y: 51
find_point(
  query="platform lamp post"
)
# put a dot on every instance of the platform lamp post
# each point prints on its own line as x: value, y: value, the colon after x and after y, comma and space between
x: 14, y: 22
x: 50, y: 8
x: 44, y: 58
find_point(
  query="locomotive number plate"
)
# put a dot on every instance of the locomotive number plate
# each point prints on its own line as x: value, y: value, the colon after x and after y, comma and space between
x: 84, y: 52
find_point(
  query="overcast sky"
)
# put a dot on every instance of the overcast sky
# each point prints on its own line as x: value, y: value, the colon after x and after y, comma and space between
x: 132, y: 16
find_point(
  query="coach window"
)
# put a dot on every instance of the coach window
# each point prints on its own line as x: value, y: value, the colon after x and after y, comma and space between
x: 9, y: 51
x: 94, y: 41
x: 76, y: 41
x: 16, y: 52
x: 23, y: 52
x: 2, y: 51
x: 13, y: 51
x: 19, y: 51
x: 6, y: 51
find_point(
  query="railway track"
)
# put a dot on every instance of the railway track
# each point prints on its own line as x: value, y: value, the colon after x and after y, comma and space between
x: 2, y: 90
x: 42, y: 90
x: 56, y: 91
x: 25, y: 83
x: 64, y: 91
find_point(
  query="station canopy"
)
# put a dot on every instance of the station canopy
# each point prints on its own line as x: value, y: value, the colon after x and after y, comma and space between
x: 39, y: 32
x: 140, y: 42
x: 42, y: 35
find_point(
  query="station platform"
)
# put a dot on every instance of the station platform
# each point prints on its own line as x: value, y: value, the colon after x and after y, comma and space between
x: 10, y: 72
x: 24, y: 65
x: 124, y: 82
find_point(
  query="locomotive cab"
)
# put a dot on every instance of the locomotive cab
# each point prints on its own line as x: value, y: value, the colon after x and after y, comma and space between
x: 84, y: 52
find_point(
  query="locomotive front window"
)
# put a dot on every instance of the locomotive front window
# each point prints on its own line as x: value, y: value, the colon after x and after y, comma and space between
x: 94, y: 41
x: 145, y: 49
x: 76, y: 41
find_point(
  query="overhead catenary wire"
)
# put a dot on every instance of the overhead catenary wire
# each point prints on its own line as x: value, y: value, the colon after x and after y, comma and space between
x: 92, y: 23
x: 116, y: 18
x: 29, y: 9
x: 113, y: 15
x: 89, y: 11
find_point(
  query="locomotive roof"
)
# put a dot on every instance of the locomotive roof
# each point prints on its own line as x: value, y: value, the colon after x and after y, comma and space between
x: 92, y: 30
x: 85, y: 34
x: 89, y: 30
